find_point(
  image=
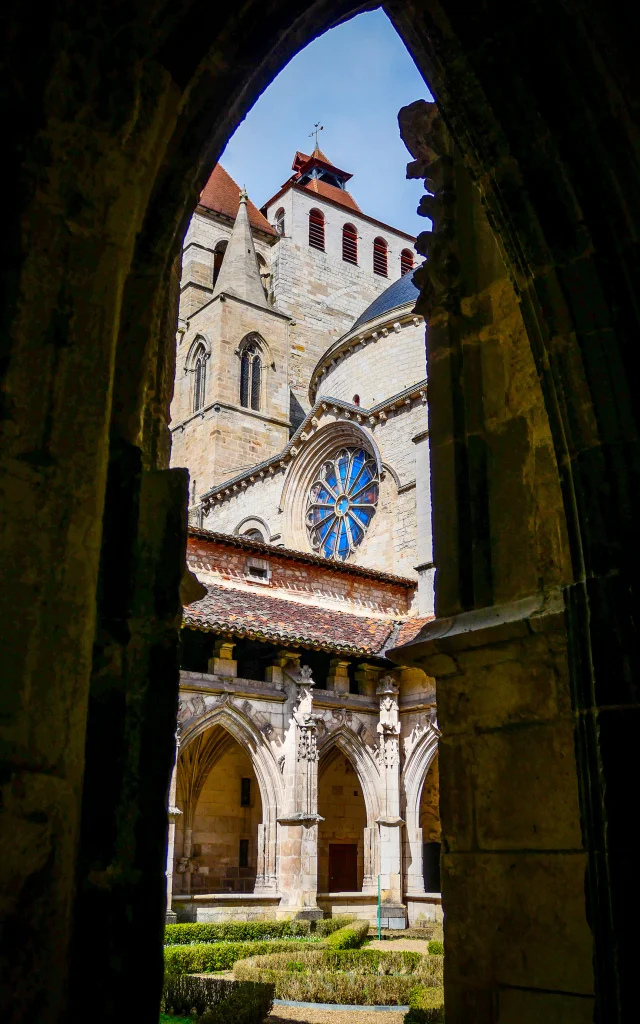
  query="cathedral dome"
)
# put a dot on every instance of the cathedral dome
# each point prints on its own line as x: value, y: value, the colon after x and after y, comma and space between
x: 380, y: 356
x: 400, y: 293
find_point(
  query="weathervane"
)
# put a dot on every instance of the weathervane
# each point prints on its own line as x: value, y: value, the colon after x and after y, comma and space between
x: 316, y: 128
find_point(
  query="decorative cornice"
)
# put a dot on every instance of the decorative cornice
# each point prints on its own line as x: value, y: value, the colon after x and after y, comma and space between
x: 377, y: 329
x: 341, y: 410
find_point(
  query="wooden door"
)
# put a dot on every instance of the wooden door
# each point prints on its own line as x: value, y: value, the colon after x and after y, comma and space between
x: 343, y: 867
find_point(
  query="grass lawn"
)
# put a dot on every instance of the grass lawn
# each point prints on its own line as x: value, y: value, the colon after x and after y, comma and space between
x: 166, y: 1018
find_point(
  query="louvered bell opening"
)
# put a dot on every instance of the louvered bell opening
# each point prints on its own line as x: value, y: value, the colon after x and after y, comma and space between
x: 380, y: 257
x: 316, y: 230
x: 406, y: 262
x: 349, y: 244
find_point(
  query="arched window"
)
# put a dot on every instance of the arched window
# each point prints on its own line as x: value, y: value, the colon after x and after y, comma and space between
x: 349, y: 244
x: 250, y: 377
x: 406, y: 262
x: 199, y: 378
x: 380, y: 251
x: 279, y: 219
x: 218, y: 256
x: 316, y: 229
x: 356, y: 399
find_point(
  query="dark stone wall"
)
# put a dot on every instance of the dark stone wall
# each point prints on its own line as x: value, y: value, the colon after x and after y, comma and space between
x: 115, y: 115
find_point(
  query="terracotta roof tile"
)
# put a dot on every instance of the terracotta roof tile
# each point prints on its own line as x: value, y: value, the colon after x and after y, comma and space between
x: 262, y: 617
x: 338, y: 195
x: 409, y: 629
x: 221, y: 195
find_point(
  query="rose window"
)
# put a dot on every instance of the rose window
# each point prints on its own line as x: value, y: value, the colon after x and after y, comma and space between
x: 342, y: 502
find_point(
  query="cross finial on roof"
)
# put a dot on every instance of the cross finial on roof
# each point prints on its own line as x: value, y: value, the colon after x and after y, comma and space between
x: 316, y: 128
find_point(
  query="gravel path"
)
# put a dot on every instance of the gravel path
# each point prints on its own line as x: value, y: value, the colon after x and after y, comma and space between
x: 413, y: 945
x: 300, y: 1015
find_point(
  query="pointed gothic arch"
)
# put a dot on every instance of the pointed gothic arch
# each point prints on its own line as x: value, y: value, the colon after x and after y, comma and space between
x: 364, y: 763
x: 412, y: 783
x: 252, y: 740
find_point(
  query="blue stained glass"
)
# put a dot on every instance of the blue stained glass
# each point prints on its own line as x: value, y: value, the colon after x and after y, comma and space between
x: 342, y: 502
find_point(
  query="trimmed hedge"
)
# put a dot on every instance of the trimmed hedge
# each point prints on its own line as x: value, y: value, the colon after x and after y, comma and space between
x: 436, y: 947
x: 355, y: 976
x: 216, y: 1000
x: 350, y: 937
x: 251, y: 931
x: 249, y: 1003
x: 426, y: 1006
x: 221, y: 956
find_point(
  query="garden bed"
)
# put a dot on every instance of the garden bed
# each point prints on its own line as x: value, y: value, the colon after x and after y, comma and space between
x: 352, y: 976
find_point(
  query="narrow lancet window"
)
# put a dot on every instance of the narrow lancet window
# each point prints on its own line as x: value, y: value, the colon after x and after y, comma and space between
x: 279, y: 219
x: 251, y: 377
x: 199, y: 380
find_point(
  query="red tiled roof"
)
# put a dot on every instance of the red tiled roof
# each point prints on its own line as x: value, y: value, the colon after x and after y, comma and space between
x: 221, y: 194
x: 338, y: 195
x: 261, y: 617
x: 409, y: 630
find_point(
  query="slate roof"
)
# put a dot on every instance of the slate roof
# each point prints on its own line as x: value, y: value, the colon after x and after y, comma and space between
x: 221, y: 194
x: 397, y: 294
x: 262, y: 617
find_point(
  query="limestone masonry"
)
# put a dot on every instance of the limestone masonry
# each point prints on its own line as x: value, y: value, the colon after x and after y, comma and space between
x: 307, y: 760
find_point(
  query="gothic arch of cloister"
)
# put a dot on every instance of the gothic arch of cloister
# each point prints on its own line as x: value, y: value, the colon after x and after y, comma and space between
x: 412, y: 780
x: 364, y: 764
x: 531, y: 145
x: 250, y: 739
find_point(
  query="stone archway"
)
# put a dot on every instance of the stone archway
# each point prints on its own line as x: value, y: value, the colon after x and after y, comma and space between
x: 535, y: 144
x: 368, y: 776
x: 268, y: 776
x: 412, y: 782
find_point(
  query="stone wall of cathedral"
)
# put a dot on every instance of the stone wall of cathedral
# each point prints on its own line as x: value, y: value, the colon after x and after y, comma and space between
x: 205, y: 231
x: 320, y: 291
x: 378, y: 368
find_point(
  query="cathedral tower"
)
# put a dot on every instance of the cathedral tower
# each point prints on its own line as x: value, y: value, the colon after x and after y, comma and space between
x: 231, y: 402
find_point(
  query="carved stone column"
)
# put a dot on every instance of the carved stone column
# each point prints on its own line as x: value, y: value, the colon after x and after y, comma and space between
x: 172, y: 811
x: 390, y: 823
x: 367, y: 677
x: 414, y: 851
x: 266, y: 879
x: 298, y: 827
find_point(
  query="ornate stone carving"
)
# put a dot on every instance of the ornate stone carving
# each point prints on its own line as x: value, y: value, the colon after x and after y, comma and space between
x: 426, y: 137
x: 389, y: 725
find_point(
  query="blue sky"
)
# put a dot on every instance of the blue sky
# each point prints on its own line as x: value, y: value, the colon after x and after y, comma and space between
x: 353, y: 80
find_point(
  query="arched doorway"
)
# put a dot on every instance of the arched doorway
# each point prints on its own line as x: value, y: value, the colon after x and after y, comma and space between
x: 341, y: 847
x: 217, y: 833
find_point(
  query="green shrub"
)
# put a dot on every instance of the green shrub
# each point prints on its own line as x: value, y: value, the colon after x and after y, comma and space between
x: 331, y: 924
x: 248, y: 1003
x: 235, y: 931
x: 220, y: 956
x: 185, y: 995
x: 251, y: 931
x: 426, y: 1006
x: 355, y: 976
x: 436, y: 947
x: 350, y: 937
